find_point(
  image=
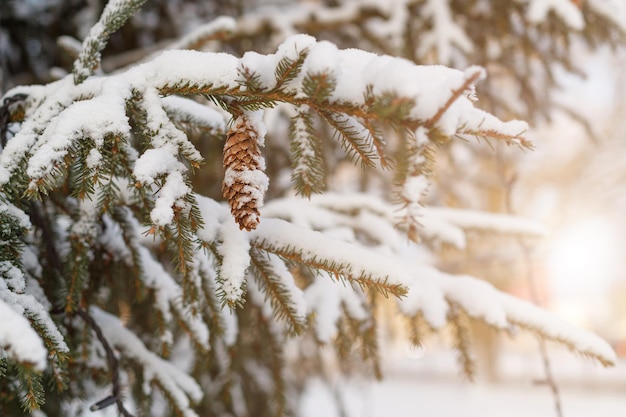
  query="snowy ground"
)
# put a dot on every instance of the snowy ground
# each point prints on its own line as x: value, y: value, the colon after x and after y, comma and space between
x: 402, y: 397
x: 427, y: 387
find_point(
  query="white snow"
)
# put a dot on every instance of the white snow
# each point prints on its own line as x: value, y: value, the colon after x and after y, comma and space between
x: 353, y: 261
x: 233, y: 246
x: 13, y: 276
x: 256, y: 183
x: 445, y: 34
x: 614, y: 10
x: 421, y: 387
x: 161, y: 129
x: 171, y: 194
x: 565, y: 9
x: 430, y: 290
x: 481, y: 300
x: 22, y: 218
x: 377, y: 218
x: 448, y: 225
x: 169, y: 296
x: 155, y: 162
x: 93, y: 159
x: 203, y: 32
x: 166, y: 70
x: 97, y: 108
x: 326, y: 298
x: 28, y: 306
x: 193, y: 113
x: 19, y: 340
x: 93, y: 119
x: 287, y: 283
x: 254, y: 119
x: 414, y: 188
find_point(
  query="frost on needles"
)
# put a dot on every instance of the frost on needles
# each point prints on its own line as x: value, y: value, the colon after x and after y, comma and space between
x: 97, y: 201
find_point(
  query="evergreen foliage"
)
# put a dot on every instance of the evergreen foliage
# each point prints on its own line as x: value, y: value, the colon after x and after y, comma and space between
x: 121, y: 265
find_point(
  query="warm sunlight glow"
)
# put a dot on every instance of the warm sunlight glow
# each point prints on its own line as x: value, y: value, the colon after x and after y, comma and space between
x: 584, y: 258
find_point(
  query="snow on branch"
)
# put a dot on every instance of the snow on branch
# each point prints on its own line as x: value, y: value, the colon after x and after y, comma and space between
x: 445, y: 34
x: 326, y: 300
x: 356, y: 86
x: 450, y: 225
x: 275, y: 280
x: 341, y: 259
x: 434, y: 290
x: 430, y: 292
x: 177, y: 385
x: 613, y: 10
x: 566, y: 10
x: 220, y: 28
x: 124, y: 240
x: 190, y: 115
x: 113, y: 17
x: 377, y: 219
x: 27, y: 306
x: 19, y: 341
x: 229, y: 245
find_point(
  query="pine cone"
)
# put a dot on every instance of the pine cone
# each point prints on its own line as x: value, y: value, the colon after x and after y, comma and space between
x: 245, y: 181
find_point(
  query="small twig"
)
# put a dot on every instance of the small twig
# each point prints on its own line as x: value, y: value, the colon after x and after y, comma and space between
x: 114, y: 398
x: 543, y: 350
x: 534, y: 297
x: 455, y: 95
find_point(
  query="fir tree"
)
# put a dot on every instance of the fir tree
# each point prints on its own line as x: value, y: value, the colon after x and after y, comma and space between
x: 118, y: 252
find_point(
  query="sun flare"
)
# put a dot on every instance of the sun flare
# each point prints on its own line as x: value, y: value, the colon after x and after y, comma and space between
x: 584, y: 258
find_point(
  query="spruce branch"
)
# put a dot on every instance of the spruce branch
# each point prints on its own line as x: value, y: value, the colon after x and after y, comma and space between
x: 306, y: 154
x: 272, y: 278
x: 414, y: 172
x: 318, y: 87
x: 113, y: 17
x: 461, y: 340
x: 337, y: 269
x: 417, y: 328
x: 380, y: 144
x: 370, y: 350
x: 274, y: 358
x: 161, y: 130
x: 288, y: 69
x: 82, y: 236
x: 172, y: 301
x: 209, y: 288
x: 32, y: 391
x: 356, y: 140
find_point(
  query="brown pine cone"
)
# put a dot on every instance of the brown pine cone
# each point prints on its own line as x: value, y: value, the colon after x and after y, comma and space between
x: 245, y: 181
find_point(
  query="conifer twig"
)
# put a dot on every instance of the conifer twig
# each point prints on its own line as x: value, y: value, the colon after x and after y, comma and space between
x: 534, y: 296
x: 114, y: 15
x: 547, y: 366
x: 471, y: 79
x: 114, y: 398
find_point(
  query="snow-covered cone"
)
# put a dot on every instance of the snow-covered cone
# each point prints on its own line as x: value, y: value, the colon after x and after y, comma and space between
x: 245, y: 181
